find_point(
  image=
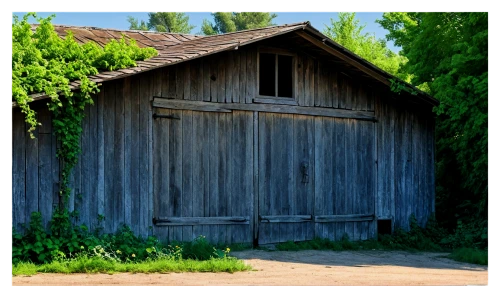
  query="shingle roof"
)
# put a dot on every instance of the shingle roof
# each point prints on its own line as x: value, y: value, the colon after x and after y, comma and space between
x: 174, y: 48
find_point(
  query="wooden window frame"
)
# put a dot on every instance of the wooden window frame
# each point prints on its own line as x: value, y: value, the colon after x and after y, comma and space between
x: 277, y: 99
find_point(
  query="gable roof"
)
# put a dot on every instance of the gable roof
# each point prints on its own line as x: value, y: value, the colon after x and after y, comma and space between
x: 175, y: 48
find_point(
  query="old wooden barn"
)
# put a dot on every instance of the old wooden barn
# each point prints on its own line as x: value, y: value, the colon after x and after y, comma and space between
x: 258, y: 136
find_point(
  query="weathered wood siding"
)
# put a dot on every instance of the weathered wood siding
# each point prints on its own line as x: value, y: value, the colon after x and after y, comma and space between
x: 230, y: 77
x: 405, y: 149
x: 234, y: 175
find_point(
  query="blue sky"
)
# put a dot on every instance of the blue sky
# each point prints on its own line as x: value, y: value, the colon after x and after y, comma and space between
x: 119, y: 20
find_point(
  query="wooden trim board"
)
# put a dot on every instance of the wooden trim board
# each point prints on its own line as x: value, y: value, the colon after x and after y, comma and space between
x: 273, y: 108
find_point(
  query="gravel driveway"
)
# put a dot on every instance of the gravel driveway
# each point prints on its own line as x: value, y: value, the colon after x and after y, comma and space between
x: 309, y: 267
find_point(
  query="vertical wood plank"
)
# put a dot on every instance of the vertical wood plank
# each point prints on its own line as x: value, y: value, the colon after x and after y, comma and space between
x: 265, y: 125
x: 340, y: 173
x: 205, y: 62
x: 127, y: 144
x: 33, y: 167
x: 309, y: 82
x: 211, y: 205
x: 45, y: 184
x: 18, y: 170
x: 165, y: 86
x: 236, y: 76
x: 86, y: 159
x: 186, y: 83
x: 328, y: 86
x: 251, y: 75
x: 179, y: 81
x: 301, y: 67
x: 317, y: 100
x: 160, y: 168
x: 187, y: 172
x: 175, y: 171
x: 243, y: 75
x: 46, y: 194
x: 118, y: 194
x: 255, y: 218
x: 145, y: 116
x: 198, y: 173
x: 318, y: 174
x: 93, y: 166
x: 334, y: 88
x: 229, y: 81
x: 100, y: 155
x: 350, y: 174
x: 196, y: 79
x: 226, y: 175
x: 109, y: 156
x: 172, y: 81
x: 133, y: 173
x: 221, y: 78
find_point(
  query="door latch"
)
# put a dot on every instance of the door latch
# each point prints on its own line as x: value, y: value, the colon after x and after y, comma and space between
x: 304, y: 168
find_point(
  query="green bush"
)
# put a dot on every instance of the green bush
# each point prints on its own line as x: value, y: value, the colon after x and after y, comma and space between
x: 66, y: 241
x: 470, y: 255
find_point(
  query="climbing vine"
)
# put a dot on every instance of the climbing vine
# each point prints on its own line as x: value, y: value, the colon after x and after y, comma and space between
x: 398, y: 86
x: 42, y: 62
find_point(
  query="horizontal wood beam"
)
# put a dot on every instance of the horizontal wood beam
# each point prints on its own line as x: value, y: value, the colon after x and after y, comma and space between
x: 171, y: 221
x: 338, y: 54
x: 273, y: 108
x: 344, y: 218
x: 285, y: 218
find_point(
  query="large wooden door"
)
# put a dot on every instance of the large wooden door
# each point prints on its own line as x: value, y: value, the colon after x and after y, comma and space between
x: 286, y: 163
x: 203, y: 180
x: 316, y: 178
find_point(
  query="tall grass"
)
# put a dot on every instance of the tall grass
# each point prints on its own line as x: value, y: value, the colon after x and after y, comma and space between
x: 470, y: 255
x: 85, y: 264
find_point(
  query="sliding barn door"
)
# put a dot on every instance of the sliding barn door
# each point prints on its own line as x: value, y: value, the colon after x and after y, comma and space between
x: 285, y: 177
x: 203, y: 180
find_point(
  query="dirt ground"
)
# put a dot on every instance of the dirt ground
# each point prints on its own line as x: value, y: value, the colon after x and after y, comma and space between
x: 309, y: 267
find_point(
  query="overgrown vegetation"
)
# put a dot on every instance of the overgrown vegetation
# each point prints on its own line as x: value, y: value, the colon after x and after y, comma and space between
x: 431, y: 238
x: 445, y: 55
x: 70, y: 249
x: 448, y: 53
x: 44, y: 63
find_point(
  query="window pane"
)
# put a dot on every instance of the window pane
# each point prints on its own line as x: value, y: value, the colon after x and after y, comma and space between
x: 285, y: 76
x: 267, y: 74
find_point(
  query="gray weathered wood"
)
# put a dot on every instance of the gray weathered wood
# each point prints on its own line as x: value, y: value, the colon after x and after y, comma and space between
x: 344, y: 218
x: 284, y: 218
x: 194, y: 221
x: 276, y: 100
x: 275, y: 108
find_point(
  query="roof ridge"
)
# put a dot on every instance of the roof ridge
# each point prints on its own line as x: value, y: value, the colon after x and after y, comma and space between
x: 264, y: 28
x: 119, y: 30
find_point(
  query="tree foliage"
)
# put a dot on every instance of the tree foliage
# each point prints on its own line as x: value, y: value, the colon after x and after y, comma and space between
x: 172, y: 22
x: 226, y: 22
x: 348, y: 32
x: 43, y: 62
x: 449, y: 53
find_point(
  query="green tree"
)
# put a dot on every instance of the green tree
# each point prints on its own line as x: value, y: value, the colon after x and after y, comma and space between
x: 449, y: 53
x: 171, y: 22
x: 348, y: 32
x: 134, y: 24
x: 226, y: 22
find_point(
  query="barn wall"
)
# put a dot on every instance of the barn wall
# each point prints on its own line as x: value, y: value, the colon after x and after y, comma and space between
x: 114, y: 176
x: 405, y: 147
x: 230, y: 77
x: 112, y: 180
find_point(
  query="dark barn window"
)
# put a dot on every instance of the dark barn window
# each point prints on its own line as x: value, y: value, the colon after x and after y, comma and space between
x: 267, y: 76
x: 276, y: 75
